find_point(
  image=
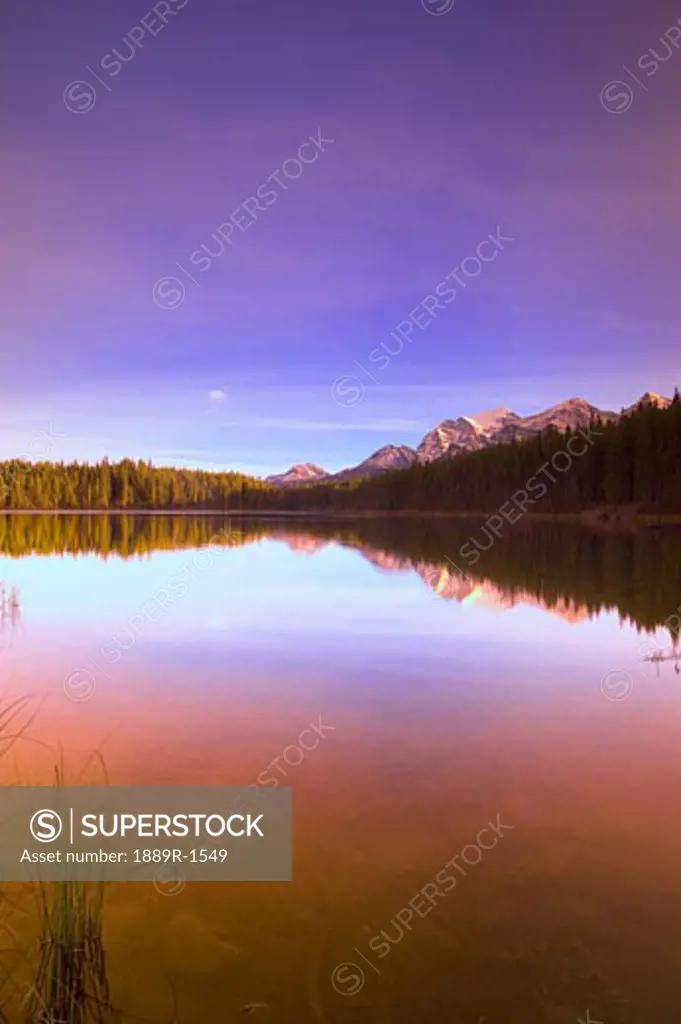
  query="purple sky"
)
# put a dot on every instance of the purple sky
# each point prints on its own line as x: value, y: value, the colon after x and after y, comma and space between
x: 445, y: 128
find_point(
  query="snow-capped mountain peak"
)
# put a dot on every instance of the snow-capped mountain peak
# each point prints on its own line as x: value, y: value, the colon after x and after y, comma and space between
x: 495, y: 418
x: 302, y: 473
x: 462, y: 435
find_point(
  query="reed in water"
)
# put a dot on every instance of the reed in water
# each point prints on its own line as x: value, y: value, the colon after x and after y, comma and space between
x: 71, y: 982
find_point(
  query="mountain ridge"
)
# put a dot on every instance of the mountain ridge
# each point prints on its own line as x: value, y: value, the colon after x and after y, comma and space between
x: 451, y: 437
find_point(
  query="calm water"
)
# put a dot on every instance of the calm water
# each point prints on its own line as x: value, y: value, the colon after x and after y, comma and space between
x: 519, y: 693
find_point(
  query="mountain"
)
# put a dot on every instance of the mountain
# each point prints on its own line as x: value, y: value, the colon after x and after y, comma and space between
x: 650, y: 398
x: 495, y: 419
x: 389, y: 457
x: 452, y: 436
x: 573, y: 413
x: 469, y: 434
x: 303, y: 473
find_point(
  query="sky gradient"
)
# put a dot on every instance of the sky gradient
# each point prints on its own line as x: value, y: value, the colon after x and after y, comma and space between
x: 445, y: 128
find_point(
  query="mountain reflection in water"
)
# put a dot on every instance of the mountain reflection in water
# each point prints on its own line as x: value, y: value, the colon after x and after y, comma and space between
x: 571, y: 570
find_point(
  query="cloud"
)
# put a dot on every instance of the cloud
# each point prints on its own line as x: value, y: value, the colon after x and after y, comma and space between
x: 217, y: 395
x: 282, y: 423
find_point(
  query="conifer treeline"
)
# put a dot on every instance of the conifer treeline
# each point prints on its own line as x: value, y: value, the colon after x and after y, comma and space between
x: 121, y: 485
x: 635, y: 460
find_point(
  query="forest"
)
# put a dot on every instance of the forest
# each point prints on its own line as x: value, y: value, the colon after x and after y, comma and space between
x: 125, y: 485
x: 634, y: 461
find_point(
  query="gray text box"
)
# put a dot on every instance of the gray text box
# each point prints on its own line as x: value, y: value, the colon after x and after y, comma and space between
x: 152, y: 833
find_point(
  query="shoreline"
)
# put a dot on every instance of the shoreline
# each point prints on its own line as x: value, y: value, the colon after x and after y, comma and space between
x: 604, y: 518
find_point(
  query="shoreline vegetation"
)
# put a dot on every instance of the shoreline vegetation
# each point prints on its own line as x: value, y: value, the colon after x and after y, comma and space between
x: 611, y: 473
x: 61, y: 976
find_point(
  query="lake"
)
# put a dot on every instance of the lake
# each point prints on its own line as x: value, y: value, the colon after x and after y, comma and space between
x: 485, y: 761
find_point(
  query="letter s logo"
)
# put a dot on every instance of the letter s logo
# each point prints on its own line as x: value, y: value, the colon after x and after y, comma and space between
x: 46, y: 826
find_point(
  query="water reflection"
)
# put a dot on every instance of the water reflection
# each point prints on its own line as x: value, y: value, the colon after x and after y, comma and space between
x: 450, y: 697
x: 573, y: 570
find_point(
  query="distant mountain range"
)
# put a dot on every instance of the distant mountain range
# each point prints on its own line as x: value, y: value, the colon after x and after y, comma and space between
x: 465, y: 434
